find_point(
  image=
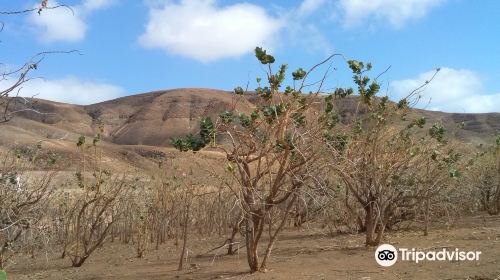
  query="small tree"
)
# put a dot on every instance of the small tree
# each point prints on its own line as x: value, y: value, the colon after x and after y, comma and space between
x: 385, y: 162
x: 93, y: 210
x: 270, y: 151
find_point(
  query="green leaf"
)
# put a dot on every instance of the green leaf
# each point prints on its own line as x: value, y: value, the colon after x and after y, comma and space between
x: 255, y: 115
x: 358, y: 129
x: 207, y: 129
x: 420, y: 122
x: 238, y: 90
x: 329, y: 107
x: 383, y: 102
x: 434, y: 155
x: 53, y: 157
x: 437, y: 132
x: 263, y: 57
x: 264, y: 92
x: 454, y: 173
x: 226, y: 117
x: 230, y: 166
x: 245, y: 120
x: 374, y: 88
x: 196, y: 142
x: 341, y: 92
x: 97, y: 139
x: 403, y: 104
x: 299, y: 74
x: 81, y: 141
x: 355, y: 66
x: 278, y: 78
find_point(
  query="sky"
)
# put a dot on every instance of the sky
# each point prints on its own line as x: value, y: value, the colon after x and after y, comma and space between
x: 129, y: 47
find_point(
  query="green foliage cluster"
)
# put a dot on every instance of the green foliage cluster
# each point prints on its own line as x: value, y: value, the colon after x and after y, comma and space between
x: 343, y: 92
x: 270, y: 111
x: 239, y: 90
x: 263, y: 57
x: 331, y: 117
x: 419, y: 122
x: 81, y: 141
x: 299, y: 74
x: 403, y: 104
x: 437, y: 132
x: 277, y: 79
x: 366, y: 89
x: 198, y: 141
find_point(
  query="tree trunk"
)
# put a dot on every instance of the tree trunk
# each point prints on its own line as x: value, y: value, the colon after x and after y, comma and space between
x: 426, y: 218
x: 380, y: 234
x: 230, y: 241
x: 78, y: 261
x: 263, y: 266
x: 370, y: 225
x: 184, y: 237
x: 250, y: 238
x: 272, y: 239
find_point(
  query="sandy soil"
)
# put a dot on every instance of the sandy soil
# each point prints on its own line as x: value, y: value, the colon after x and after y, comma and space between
x: 299, y: 254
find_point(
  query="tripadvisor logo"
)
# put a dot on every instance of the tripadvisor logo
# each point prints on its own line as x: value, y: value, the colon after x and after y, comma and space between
x: 387, y: 255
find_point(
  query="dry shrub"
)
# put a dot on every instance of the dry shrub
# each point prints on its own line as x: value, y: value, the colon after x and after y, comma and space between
x: 24, y: 198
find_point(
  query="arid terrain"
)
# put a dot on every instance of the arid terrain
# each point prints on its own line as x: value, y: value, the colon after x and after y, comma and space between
x: 136, y: 140
x: 308, y: 253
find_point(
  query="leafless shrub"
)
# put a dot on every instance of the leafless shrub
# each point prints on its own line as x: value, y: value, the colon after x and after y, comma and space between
x: 23, y: 202
x: 484, y: 176
x: 94, y: 208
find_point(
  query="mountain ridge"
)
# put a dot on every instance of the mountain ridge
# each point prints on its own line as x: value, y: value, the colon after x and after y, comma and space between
x: 151, y: 119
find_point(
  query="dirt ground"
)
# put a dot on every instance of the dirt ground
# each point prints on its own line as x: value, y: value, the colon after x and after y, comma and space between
x: 299, y: 254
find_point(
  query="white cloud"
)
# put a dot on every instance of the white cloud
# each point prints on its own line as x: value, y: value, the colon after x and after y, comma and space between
x: 59, y: 25
x: 451, y: 91
x: 201, y: 30
x: 70, y: 90
x: 397, y: 12
x: 300, y: 31
x: 63, y: 24
x: 308, y: 7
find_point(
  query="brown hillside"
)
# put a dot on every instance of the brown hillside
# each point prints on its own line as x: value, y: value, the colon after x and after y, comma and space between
x: 151, y: 119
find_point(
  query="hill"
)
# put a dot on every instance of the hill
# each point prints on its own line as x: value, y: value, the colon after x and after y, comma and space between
x: 140, y: 126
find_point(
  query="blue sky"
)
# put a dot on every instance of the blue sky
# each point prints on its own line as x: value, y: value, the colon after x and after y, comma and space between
x: 129, y: 47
